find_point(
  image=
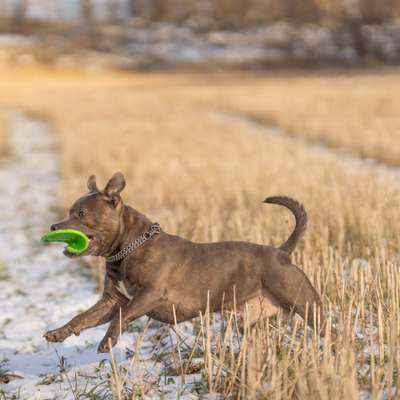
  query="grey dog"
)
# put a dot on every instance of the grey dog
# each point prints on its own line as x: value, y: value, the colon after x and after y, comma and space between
x: 151, y: 272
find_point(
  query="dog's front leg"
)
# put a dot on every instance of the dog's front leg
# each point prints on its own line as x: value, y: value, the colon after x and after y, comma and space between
x: 145, y: 301
x: 100, y: 313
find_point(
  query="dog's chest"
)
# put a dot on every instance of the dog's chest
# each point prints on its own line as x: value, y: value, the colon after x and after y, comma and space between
x: 121, y: 287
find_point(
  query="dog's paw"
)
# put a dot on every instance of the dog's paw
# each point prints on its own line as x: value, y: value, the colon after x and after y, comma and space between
x: 57, y: 335
x: 107, y: 344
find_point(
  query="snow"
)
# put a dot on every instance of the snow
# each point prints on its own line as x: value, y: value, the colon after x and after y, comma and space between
x: 43, y: 289
x: 40, y: 289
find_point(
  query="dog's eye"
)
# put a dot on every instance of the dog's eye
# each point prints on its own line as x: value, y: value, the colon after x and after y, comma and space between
x: 81, y: 213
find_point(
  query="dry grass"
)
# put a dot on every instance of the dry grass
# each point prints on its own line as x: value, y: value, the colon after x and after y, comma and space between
x: 204, y: 177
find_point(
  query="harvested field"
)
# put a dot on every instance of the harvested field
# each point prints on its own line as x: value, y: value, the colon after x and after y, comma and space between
x: 204, y: 176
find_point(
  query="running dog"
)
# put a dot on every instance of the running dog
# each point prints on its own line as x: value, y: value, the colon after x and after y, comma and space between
x: 169, y: 278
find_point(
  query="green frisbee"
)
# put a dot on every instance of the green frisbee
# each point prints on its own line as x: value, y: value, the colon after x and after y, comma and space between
x: 77, y: 241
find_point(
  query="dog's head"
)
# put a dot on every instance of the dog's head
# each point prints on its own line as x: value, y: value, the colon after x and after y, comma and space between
x: 98, y: 214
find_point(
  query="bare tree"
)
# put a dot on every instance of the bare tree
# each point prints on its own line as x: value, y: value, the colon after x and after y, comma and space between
x: 87, y: 22
x: 231, y: 13
x: 19, y: 12
x: 87, y: 13
x: 112, y: 6
x: 133, y: 9
x: 353, y: 15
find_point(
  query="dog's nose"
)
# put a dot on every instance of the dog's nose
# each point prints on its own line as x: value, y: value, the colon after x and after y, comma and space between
x: 53, y: 227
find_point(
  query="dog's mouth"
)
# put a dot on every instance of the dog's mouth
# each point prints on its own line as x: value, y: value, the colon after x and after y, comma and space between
x: 91, y: 250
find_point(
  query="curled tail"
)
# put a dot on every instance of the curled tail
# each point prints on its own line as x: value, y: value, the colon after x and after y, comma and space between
x: 301, y: 220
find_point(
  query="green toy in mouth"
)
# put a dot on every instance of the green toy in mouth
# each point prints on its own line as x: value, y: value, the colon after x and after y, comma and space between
x: 77, y: 241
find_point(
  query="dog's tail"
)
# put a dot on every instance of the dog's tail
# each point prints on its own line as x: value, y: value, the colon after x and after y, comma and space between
x: 301, y: 220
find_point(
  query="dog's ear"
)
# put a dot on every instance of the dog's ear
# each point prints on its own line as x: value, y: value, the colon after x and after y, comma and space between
x: 114, y: 187
x: 91, y: 184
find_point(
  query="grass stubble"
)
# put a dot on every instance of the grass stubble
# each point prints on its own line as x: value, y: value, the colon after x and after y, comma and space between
x: 204, y: 179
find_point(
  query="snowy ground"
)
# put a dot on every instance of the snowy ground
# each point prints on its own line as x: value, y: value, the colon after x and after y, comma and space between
x: 40, y: 289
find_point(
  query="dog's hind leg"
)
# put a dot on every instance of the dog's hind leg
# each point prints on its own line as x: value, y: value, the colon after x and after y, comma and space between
x: 294, y: 292
x: 263, y: 305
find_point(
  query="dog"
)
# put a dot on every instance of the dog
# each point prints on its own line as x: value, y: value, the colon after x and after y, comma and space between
x: 171, y: 279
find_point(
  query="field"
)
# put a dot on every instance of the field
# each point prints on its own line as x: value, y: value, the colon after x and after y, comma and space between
x: 200, y: 153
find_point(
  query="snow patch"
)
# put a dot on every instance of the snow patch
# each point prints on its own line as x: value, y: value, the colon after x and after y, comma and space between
x: 42, y: 289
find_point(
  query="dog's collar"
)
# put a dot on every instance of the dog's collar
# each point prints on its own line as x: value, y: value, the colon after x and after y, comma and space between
x: 153, y: 230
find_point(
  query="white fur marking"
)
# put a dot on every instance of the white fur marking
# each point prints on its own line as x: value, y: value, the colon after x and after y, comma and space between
x: 122, y: 289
